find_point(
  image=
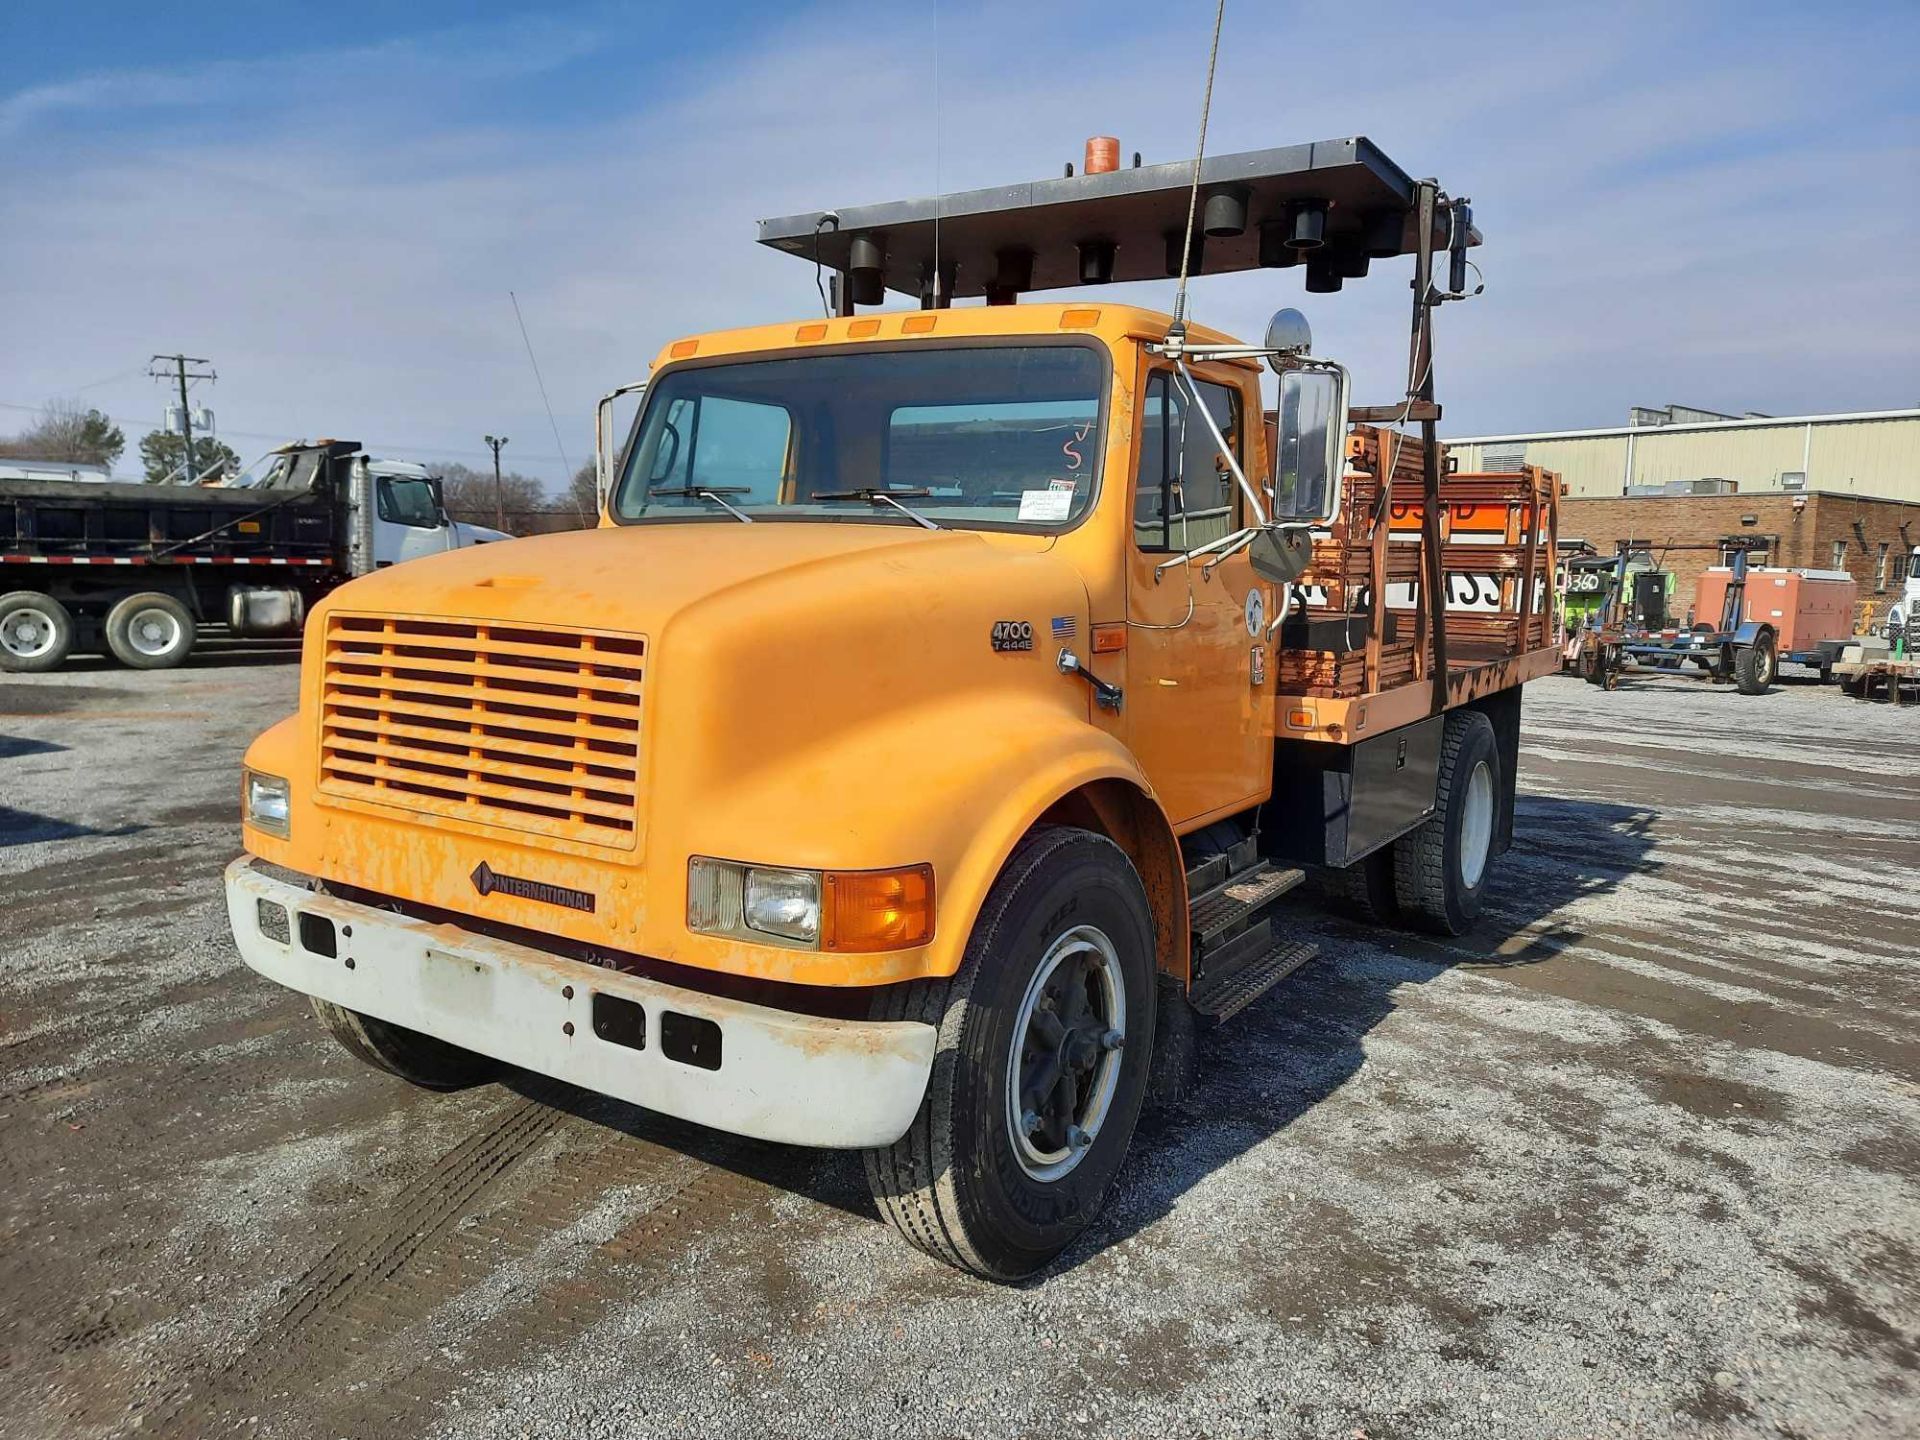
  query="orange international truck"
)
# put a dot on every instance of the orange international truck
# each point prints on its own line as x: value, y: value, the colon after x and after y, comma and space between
x: 943, y: 710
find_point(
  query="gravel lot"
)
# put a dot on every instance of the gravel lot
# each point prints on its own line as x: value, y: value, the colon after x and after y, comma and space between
x: 1637, y: 1158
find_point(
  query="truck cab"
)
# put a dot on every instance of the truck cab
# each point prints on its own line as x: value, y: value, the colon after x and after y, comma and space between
x: 933, y: 728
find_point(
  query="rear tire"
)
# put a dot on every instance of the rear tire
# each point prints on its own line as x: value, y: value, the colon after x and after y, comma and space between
x: 421, y: 1060
x: 36, y: 633
x: 1000, y: 1185
x: 1440, y: 870
x: 1754, y: 667
x: 1365, y: 888
x: 149, y: 631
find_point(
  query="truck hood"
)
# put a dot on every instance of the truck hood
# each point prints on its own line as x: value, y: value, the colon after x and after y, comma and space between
x: 640, y: 578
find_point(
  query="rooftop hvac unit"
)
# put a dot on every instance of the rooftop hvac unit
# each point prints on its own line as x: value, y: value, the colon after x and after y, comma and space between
x: 1712, y: 486
x: 1503, y: 459
x: 1793, y: 479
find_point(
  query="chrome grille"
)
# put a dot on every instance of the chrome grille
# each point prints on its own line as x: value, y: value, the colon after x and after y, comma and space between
x: 531, y: 728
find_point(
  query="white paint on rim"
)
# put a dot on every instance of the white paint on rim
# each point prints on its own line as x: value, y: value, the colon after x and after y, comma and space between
x: 153, y: 631
x: 28, y: 632
x: 1476, y: 825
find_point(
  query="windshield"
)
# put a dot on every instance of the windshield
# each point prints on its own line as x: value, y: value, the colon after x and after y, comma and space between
x: 977, y: 436
x: 409, y: 501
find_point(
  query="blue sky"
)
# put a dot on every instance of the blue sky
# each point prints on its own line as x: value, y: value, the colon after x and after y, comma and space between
x: 1709, y: 203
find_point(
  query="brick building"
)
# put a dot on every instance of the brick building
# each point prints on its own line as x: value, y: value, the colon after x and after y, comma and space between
x: 1870, y: 538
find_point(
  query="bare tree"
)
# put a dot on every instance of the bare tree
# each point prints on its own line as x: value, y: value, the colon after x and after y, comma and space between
x: 69, y: 431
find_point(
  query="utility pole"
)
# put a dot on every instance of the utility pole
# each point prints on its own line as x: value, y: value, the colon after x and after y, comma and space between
x: 159, y: 367
x: 499, y: 504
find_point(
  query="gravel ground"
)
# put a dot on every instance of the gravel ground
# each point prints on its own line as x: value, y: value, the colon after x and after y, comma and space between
x: 1637, y: 1158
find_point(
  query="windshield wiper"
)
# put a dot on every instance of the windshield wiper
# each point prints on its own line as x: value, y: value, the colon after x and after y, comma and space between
x: 713, y: 493
x: 875, y: 495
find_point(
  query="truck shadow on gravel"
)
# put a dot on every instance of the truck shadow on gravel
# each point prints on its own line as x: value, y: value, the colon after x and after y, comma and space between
x: 213, y: 656
x: 1262, y: 1071
x: 1296, y: 1047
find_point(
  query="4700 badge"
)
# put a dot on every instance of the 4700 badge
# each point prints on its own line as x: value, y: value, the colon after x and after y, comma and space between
x: 1010, y: 635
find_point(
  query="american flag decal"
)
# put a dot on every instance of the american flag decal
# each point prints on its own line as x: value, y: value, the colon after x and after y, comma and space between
x: 1063, y: 627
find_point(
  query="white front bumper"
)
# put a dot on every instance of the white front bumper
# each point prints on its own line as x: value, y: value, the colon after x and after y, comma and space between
x: 780, y: 1075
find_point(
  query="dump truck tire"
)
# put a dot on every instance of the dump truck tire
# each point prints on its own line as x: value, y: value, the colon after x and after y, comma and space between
x: 36, y: 633
x: 149, y: 631
x: 422, y: 1060
x: 1440, y: 870
x: 1754, y: 667
x: 1003, y: 1167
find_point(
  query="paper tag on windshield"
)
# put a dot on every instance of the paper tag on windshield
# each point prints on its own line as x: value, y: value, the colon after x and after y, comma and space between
x: 1045, y: 505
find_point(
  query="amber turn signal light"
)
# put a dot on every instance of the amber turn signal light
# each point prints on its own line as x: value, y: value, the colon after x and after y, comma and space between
x: 867, y: 910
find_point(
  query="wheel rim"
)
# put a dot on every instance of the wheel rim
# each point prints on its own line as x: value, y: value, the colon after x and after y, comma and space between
x: 28, y: 633
x: 1067, y: 1048
x: 153, y: 631
x: 1765, y: 667
x: 1476, y: 825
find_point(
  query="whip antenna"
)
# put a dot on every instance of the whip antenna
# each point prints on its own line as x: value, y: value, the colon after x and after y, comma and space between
x: 1193, y: 193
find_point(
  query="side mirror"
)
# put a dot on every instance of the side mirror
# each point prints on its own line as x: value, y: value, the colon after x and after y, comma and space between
x: 1309, y: 453
x: 1280, y: 555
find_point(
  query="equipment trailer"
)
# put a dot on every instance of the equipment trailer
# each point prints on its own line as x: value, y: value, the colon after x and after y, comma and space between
x: 944, y: 709
x: 140, y: 570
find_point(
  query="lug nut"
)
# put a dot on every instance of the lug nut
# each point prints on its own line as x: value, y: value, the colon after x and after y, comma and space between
x: 1078, y: 1139
x: 1029, y: 1122
x: 1113, y: 1040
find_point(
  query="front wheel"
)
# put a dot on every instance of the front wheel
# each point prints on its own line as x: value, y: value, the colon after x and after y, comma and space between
x: 36, y: 632
x: 423, y: 1060
x: 1046, y: 1038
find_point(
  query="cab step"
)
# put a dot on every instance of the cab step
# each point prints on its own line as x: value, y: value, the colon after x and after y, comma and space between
x: 1219, y: 914
x: 1226, y: 990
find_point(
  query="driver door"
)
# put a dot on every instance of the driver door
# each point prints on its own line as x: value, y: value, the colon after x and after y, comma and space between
x: 1199, y: 707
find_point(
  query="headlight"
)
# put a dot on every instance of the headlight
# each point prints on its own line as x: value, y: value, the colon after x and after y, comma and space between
x: 268, y: 806
x: 843, y: 910
x: 784, y: 902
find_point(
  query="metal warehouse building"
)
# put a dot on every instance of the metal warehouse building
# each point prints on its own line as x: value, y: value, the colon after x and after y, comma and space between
x: 1671, y: 451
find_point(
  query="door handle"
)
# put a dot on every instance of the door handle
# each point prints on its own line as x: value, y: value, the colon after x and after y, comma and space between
x: 1108, y: 696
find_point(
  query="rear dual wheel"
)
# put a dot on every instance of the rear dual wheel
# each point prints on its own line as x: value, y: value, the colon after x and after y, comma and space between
x: 149, y: 631
x: 1440, y: 869
x: 1045, y: 1042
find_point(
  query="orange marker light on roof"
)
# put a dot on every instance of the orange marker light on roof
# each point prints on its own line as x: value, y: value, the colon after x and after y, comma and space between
x: 867, y: 910
x: 918, y: 324
x: 815, y: 331
x: 1079, y: 319
x: 683, y: 348
x: 860, y: 329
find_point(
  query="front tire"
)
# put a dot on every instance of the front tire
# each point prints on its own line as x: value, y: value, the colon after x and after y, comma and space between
x: 1440, y: 870
x: 422, y: 1060
x: 1046, y: 1039
x: 36, y: 633
x: 149, y: 631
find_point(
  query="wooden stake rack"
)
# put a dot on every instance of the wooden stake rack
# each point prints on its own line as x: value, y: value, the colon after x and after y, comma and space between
x: 1497, y: 539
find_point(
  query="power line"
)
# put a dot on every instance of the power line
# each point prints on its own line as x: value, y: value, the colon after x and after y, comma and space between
x: 558, y: 444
